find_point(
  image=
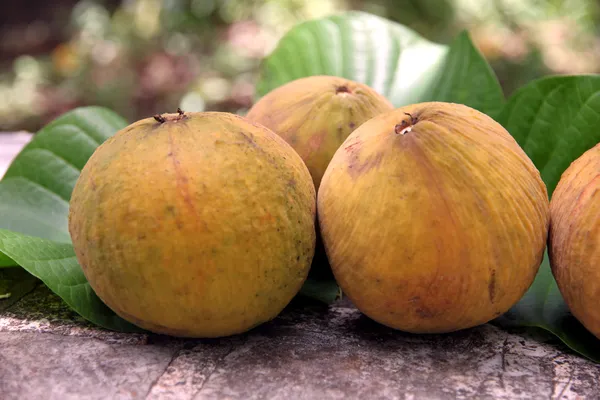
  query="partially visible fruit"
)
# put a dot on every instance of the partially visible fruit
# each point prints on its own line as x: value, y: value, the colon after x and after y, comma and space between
x: 194, y: 224
x: 574, y: 244
x: 433, y: 218
x: 316, y: 114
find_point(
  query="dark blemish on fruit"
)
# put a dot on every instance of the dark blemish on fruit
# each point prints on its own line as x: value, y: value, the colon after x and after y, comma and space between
x: 159, y: 118
x: 170, y: 209
x: 492, y: 286
x: 351, y: 125
x: 342, y: 89
x: 351, y: 147
x: 425, y: 313
x: 298, y: 258
x: 141, y: 237
x: 249, y: 139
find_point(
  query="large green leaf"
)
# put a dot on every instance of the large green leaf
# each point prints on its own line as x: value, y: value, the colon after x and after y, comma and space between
x: 55, y: 157
x: 555, y: 120
x: 56, y: 265
x: 34, y: 206
x: 389, y: 57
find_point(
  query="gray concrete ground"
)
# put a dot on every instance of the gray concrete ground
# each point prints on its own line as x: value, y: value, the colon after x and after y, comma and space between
x: 309, y: 352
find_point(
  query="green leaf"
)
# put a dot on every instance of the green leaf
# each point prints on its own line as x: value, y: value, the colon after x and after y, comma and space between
x: 325, y: 291
x: 389, y: 57
x: 56, y: 265
x: 29, y: 208
x: 55, y: 157
x: 34, y: 207
x: 555, y: 120
x: 35, y: 191
x: 6, y: 261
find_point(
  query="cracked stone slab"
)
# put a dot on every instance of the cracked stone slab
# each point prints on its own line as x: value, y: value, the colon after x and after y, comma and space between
x: 43, y: 366
x: 309, y: 352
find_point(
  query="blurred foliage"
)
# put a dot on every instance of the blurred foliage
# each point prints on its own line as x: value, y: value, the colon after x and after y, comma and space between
x: 141, y: 57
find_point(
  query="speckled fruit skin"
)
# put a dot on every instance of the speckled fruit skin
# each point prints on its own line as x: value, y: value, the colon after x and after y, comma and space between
x: 435, y: 222
x: 201, y: 226
x: 316, y: 114
x: 574, y: 244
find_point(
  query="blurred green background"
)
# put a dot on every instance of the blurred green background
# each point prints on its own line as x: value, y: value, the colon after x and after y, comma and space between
x: 141, y: 57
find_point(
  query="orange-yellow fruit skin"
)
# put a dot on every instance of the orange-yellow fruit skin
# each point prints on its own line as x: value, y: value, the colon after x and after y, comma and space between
x: 574, y: 244
x: 201, y: 226
x: 433, y: 223
x: 316, y: 114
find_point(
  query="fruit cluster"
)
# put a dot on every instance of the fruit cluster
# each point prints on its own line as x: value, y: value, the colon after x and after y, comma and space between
x: 432, y: 218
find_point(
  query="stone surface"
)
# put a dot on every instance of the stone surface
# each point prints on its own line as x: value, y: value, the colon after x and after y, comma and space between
x: 309, y: 352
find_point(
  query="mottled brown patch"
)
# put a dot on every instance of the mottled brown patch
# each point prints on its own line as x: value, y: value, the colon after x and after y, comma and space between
x: 267, y: 218
x: 315, y: 142
x: 356, y: 167
x: 425, y: 313
x: 180, y: 179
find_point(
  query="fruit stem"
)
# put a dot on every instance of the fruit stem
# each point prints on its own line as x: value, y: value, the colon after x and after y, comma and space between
x: 405, y: 126
x: 342, y: 89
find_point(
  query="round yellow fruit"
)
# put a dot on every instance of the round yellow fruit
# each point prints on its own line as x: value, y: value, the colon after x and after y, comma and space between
x: 433, y: 218
x: 194, y: 224
x: 574, y: 244
x: 316, y: 114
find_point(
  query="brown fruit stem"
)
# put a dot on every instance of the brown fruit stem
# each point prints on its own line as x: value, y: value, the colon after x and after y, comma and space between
x: 162, y: 118
x: 342, y: 89
x: 404, y: 127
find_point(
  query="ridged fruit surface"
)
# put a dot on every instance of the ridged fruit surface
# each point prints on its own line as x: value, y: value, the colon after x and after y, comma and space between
x: 202, y: 225
x: 316, y: 114
x: 434, y: 221
x: 574, y: 244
